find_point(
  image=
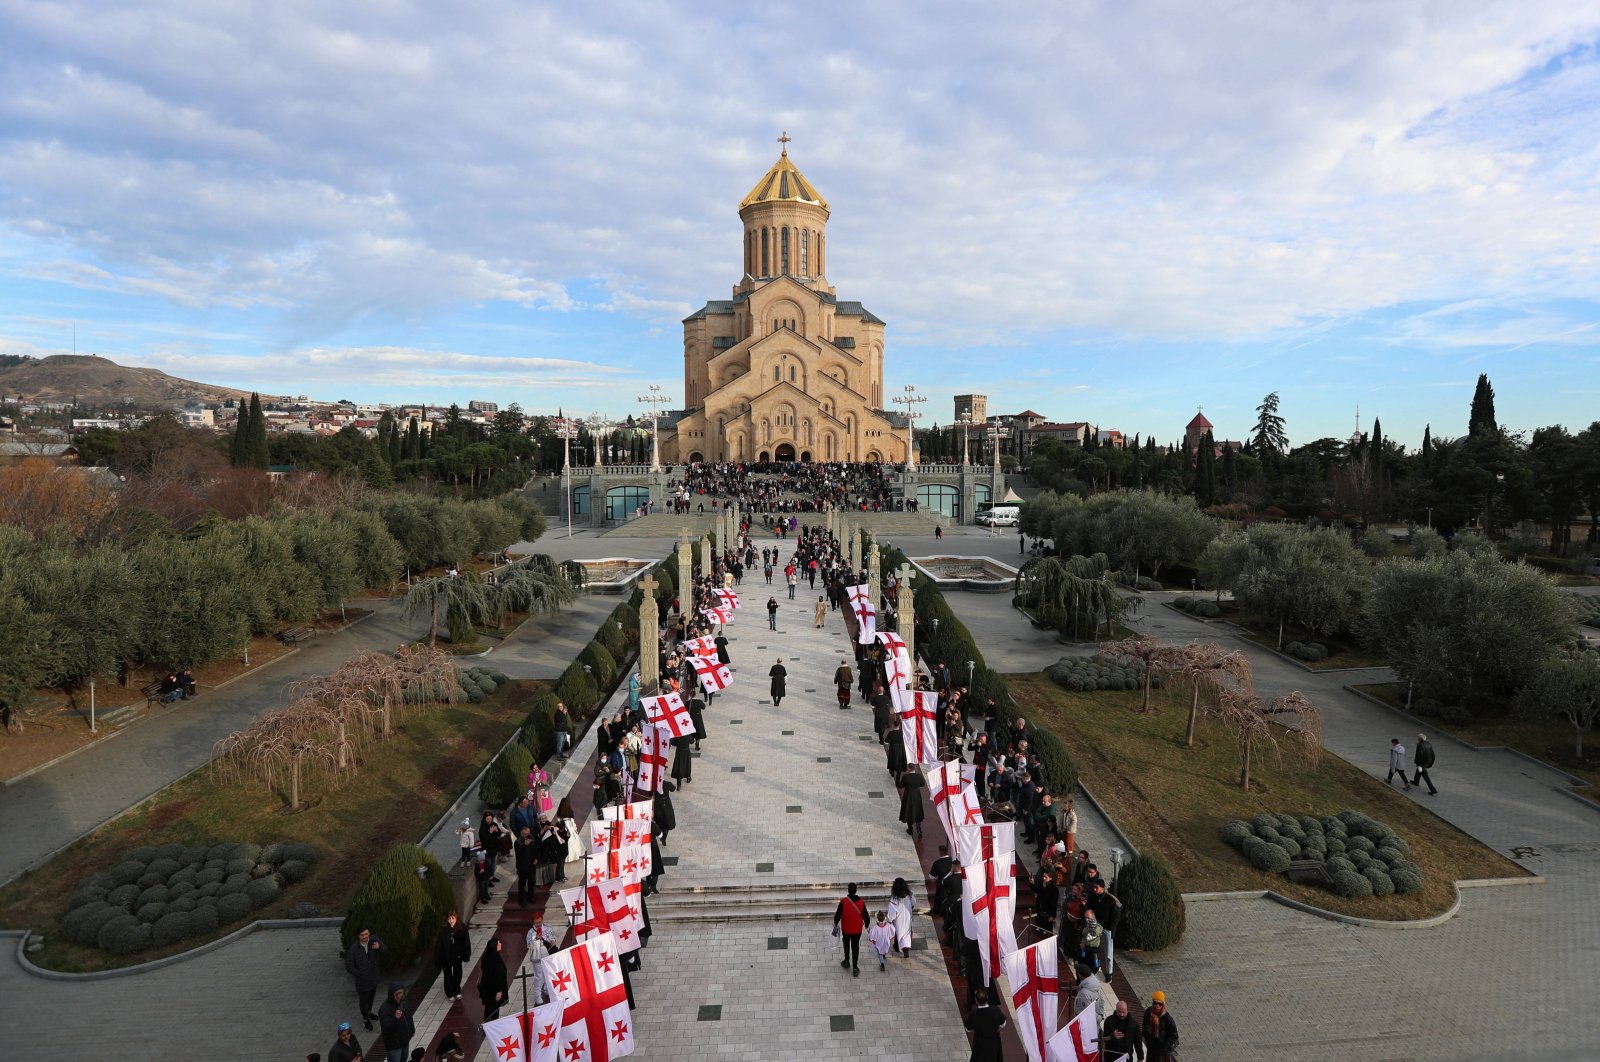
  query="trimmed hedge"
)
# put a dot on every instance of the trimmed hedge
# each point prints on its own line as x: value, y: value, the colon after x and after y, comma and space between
x: 577, y: 690
x: 602, y: 663
x: 1153, y: 915
x: 404, y: 910
x: 187, y: 892
x: 507, y: 777
x: 538, y: 727
x: 1362, y: 856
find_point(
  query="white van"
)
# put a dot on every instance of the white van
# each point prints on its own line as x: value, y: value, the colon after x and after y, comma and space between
x: 1000, y: 516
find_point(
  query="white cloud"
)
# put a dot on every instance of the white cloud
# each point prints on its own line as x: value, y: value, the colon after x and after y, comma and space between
x: 1165, y: 170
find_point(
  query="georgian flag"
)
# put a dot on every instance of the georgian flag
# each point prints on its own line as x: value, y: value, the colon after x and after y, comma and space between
x: 1078, y: 1040
x: 654, y: 742
x: 865, y: 611
x: 668, y: 710
x: 621, y: 862
x: 540, y: 1028
x: 728, y: 598
x: 714, y: 677
x: 719, y: 616
x: 596, y: 1025
x: 705, y: 645
x: 639, y: 809
x: 1035, y: 994
x: 988, y: 909
x: 974, y: 844
x: 622, y: 909
x: 898, y: 664
x: 608, y: 836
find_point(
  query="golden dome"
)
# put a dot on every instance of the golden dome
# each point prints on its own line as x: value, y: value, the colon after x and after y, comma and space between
x: 784, y: 183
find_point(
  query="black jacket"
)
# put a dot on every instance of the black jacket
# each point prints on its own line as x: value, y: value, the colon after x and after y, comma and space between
x: 452, y: 948
x: 395, y: 1021
x: 986, y: 1023
x: 362, y: 964
x: 1108, y: 909
x: 1128, y: 1043
x: 492, y: 978
x: 527, y: 853
x: 1422, y: 755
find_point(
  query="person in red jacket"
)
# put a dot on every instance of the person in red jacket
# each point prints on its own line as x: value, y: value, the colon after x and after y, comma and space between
x: 850, y: 921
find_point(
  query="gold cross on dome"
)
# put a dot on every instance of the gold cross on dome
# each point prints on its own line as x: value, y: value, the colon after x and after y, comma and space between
x: 784, y: 140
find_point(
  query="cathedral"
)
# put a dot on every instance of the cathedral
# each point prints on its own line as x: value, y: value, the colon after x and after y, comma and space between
x: 783, y: 371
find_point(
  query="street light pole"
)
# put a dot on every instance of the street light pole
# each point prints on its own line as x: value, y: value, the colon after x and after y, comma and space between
x: 655, y: 400
x: 910, y: 400
x: 597, y: 428
x: 966, y: 426
x: 568, y: 429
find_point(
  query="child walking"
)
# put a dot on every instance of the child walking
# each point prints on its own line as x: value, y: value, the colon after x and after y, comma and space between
x: 882, y: 937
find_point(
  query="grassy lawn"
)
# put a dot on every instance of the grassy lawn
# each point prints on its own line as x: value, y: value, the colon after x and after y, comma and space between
x: 1341, y: 654
x: 401, y: 789
x: 1175, y: 800
x: 1549, y: 740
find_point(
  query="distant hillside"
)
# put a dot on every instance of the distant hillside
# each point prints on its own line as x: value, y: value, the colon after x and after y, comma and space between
x: 99, y: 381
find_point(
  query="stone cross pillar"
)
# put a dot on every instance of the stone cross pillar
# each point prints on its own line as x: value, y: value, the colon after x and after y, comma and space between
x: 685, y: 564
x: 875, y: 576
x: 853, y: 549
x: 705, y: 555
x: 649, y: 637
x: 905, y: 608
x: 830, y: 520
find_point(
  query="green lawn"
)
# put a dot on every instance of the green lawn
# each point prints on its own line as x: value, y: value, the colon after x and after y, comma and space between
x: 404, y: 784
x: 1549, y: 740
x: 1175, y: 800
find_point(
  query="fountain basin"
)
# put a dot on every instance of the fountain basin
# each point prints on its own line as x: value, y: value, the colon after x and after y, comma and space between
x: 983, y: 574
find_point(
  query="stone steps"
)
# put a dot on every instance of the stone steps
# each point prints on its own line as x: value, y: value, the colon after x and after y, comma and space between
x: 761, y: 903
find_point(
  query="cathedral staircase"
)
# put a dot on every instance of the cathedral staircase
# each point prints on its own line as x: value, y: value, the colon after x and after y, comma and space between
x: 761, y: 903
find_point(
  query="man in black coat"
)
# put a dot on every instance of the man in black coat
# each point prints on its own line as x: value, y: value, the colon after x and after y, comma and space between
x: 1108, y: 911
x: 666, y: 819
x: 1422, y: 759
x: 451, y: 949
x: 1120, y: 1035
x: 395, y: 1019
x: 361, y: 962
x: 985, y: 1023
x: 526, y: 852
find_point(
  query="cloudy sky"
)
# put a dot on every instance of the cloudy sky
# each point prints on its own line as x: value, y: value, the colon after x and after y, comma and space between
x: 1111, y: 212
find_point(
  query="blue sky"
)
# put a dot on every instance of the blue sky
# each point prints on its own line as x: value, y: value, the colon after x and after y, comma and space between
x: 1111, y: 212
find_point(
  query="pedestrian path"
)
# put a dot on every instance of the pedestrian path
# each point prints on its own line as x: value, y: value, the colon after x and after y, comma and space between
x: 813, y: 806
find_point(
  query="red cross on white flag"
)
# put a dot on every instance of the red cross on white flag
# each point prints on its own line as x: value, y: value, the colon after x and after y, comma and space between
x: 917, y: 726
x: 622, y: 912
x: 585, y: 911
x: 1078, y: 1040
x: 654, y: 742
x: 954, y: 797
x: 610, y: 836
x: 540, y: 1028
x: 668, y: 710
x: 866, y: 612
x: 728, y: 599
x: 974, y: 844
x: 897, y: 664
x: 1035, y: 993
x: 596, y: 1025
x: 988, y: 907
x: 705, y: 645
x: 719, y: 616
x: 714, y: 675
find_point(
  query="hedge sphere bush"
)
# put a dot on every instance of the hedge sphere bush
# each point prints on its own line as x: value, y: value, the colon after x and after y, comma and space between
x: 1153, y: 915
x: 1336, y: 863
x: 507, y: 777
x: 1349, y: 883
x: 1310, y: 824
x: 1334, y: 843
x: 1405, y: 879
x: 1289, y: 845
x: 1264, y: 822
x: 1375, y: 831
x: 1271, y: 858
x: 124, y: 937
x: 1234, y: 833
x: 1382, y: 885
x: 1360, y: 844
x: 232, y: 907
x: 171, y: 929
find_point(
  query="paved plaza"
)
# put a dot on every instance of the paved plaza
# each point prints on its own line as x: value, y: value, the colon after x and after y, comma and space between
x: 1505, y: 979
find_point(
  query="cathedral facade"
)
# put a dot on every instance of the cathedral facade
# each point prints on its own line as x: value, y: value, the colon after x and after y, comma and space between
x: 784, y: 371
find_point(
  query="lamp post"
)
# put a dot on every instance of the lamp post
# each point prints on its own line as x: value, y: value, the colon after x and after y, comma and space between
x: 655, y: 400
x: 965, y: 420
x: 1118, y: 857
x: 568, y: 430
x: 970, y: 666
x: 910, y: 400
x: 597, y: 427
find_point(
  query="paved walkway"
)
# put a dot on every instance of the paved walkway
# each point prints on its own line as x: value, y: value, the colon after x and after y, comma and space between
x: 51, y: 809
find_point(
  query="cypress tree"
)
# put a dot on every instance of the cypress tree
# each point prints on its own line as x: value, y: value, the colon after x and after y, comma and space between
x: 259, y: 456
x: 1481, y: 422
x: 1205, y: 469
x: 412, y: 451
x: 1427, y: 442
x: 238, y: 446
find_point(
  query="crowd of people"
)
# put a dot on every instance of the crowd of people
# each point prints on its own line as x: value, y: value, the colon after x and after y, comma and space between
x: 787, y: 487
x: 1071, y: 898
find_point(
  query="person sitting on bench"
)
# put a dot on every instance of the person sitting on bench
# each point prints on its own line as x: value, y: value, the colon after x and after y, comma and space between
x: 187, y: 684
x: 171, y: 689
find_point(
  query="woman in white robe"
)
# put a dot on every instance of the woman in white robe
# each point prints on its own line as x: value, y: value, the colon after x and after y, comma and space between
x: 901, y: 907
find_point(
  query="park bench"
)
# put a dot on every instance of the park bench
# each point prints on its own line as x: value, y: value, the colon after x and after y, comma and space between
x: 295, y: 634
x: 151, y: 692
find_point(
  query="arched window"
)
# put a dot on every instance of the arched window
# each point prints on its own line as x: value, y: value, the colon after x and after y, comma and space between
x: 580, y: 501
x: 622, y: 502
x: 791, y: 374
x: 784, y: 244
x: 777, y: 374
x: 805, y: 252
x: 980, y: 497
x: 764, y: 259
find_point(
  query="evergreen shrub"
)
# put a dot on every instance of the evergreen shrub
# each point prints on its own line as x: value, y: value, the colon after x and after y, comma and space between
x: 1153, y: 915
x: 401, y: 908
